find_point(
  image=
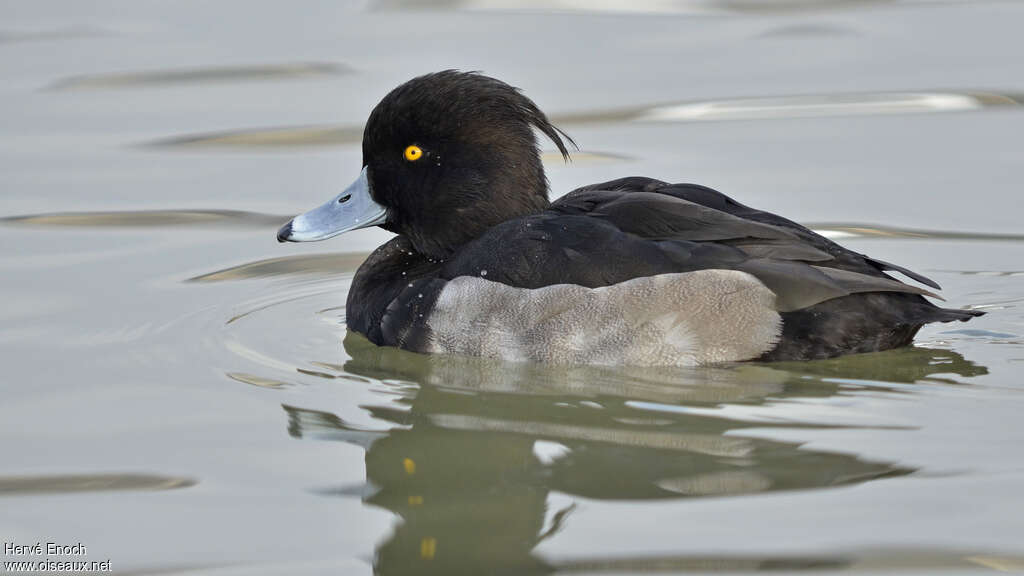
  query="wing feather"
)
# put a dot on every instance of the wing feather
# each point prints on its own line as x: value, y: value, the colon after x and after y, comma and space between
x: 634, y: 227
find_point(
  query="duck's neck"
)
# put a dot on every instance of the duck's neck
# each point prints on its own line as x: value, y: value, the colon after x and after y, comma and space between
x: 438, y: 236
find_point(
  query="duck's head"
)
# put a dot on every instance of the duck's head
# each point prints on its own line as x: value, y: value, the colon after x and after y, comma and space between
x: 445, y: 157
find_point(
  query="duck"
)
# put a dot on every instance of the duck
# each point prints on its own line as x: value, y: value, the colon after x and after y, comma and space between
x: 635, y: 271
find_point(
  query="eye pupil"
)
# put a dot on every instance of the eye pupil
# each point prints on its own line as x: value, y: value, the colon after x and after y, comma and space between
x: 344, y: 198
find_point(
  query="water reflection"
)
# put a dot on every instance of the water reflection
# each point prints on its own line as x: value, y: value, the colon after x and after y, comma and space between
x: 479, y: 448
x: 902, y: 365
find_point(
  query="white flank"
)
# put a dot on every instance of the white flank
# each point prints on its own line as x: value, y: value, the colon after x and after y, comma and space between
x: 685, y: 319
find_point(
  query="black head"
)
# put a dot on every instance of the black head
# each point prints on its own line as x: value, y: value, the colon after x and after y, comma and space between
x: 451, y: 154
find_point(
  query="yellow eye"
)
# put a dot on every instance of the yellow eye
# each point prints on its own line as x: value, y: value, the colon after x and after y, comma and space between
x: 413, y: 153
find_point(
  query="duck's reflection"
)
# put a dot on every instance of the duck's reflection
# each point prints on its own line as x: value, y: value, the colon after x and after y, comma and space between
x: 470, y: 465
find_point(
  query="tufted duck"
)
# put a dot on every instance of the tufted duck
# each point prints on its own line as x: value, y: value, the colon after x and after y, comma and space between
x: 633, y: 271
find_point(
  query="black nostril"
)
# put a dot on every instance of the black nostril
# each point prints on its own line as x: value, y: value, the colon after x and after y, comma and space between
x: 344, y: 198
x: 284, y: 233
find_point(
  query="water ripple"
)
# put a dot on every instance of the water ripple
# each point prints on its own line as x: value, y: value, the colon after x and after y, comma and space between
x: 309, y: 264
x: 763, y: 7
x: 765, y: 108
x: 151, y: 78
x: 68, y: 483
x: 148, y: 219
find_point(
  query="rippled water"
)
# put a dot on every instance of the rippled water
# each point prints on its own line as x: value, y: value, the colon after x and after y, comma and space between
x: 180, y: 395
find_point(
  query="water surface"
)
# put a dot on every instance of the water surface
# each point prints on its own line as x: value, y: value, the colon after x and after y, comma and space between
x: 180, y: 394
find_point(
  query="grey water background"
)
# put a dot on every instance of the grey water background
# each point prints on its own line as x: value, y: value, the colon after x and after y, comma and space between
x: 180, y: 396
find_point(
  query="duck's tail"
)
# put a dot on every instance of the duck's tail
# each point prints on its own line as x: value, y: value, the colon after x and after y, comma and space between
x: 953, y: 314
x: 866, y: 322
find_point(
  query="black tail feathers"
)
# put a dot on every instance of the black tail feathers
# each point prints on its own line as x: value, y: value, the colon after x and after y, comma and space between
x: 952, y: 315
